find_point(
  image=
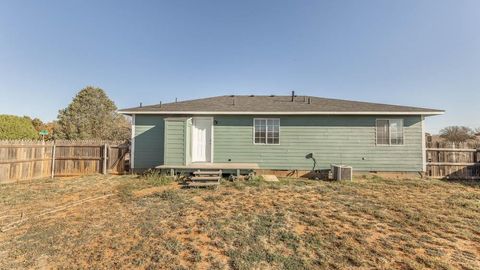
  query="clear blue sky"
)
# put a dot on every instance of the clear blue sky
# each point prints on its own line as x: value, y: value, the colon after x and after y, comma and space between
x: 419, y: 53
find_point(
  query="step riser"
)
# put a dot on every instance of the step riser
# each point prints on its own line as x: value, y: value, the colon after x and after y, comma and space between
x: 211, y: 178
x: 208, y: 173
x: 205, y: 179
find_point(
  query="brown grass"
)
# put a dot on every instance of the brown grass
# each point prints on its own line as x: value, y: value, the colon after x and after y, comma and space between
x: 294, y: 224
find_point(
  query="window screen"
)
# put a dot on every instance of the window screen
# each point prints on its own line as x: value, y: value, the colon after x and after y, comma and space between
x: 260, y: 131
x: 267, y: 131
x: 382, y: 132
x: 389, y: 132
x: 396, y: 131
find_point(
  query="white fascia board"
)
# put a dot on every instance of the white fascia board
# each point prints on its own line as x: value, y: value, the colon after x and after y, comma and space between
x: 284, y: 113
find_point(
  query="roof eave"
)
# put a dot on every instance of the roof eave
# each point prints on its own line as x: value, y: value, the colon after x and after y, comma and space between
x: 425, y: 113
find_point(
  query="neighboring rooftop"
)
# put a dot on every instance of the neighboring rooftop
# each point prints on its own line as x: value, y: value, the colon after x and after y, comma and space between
x: 275, y: 105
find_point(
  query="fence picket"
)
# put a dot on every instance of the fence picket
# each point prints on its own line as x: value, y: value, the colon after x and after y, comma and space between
x: 453, y: 163
x: 53, y: 162
x: 25, y: 160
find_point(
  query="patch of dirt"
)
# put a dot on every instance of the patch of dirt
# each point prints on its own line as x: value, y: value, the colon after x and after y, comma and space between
x: 290, y: 224
x: 154, y: 190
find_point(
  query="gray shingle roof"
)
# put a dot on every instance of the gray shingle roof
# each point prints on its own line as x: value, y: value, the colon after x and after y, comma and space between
x: 276, y: 104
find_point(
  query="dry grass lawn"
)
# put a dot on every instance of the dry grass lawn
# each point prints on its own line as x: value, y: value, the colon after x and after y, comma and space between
x: 292, y: 224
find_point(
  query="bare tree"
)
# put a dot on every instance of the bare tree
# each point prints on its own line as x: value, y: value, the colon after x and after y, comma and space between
x: 457, y: 134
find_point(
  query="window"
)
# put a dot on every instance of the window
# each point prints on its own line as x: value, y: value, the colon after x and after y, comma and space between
x: 396, y: 131
x: 389, y: 131
x: 266, y: 130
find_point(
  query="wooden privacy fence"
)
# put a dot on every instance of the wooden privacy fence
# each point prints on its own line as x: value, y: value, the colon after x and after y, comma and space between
x: 453, y: 163
x: 30, y: 160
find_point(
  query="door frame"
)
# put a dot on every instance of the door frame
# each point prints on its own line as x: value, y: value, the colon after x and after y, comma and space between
x: 211, y: 138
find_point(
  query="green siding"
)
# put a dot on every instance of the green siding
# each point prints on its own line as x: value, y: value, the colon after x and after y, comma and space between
x: 175, y: 141
x: 346, y: 140
x: 149, y: 138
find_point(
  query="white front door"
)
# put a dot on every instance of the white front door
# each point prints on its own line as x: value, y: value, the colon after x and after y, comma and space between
x: 202, y: 139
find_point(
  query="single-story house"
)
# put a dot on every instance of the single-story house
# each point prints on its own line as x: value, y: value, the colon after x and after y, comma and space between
x: 279, y: 133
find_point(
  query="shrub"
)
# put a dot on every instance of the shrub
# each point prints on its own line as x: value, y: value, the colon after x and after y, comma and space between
x: 14, y: 127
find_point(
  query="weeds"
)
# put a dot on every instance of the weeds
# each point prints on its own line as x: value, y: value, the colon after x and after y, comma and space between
x: 156, y: 178
x: 170, y: 195
x: 368, y: 223
x: 151, y: 178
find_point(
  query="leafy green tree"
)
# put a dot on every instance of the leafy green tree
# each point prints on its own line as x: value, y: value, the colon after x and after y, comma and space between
x: 457, y: 134
x: 50, y: 127
x: 37, y: 124
x: 91, y: 115
x: 14, y: 127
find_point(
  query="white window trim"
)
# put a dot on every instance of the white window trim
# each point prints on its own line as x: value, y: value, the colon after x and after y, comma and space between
x: 253, y: 131
x: 390, y: 132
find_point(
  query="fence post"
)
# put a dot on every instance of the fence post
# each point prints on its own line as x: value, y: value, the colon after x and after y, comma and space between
x: 53, y: 160
x: 105, y: 158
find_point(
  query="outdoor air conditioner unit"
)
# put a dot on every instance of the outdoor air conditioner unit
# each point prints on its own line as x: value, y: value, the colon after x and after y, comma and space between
x: 341, y: 172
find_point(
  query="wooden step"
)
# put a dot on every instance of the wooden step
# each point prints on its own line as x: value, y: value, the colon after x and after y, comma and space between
x: 202, y: 184
x: 207, y: 172
x: 205, y: 178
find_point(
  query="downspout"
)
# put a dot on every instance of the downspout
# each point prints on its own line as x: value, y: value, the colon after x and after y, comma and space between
x: 424, y: 146
x: 132, y: 145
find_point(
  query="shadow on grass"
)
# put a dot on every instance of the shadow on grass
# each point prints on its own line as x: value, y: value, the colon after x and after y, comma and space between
x: 465, y: 182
